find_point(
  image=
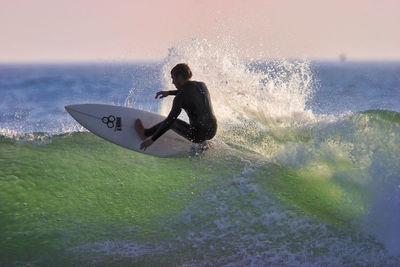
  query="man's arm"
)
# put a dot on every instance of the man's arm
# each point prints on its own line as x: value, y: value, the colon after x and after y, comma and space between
x: 166, y: 93
x: 173, y: 92
x: 166, y: 124
x: 172, y: 116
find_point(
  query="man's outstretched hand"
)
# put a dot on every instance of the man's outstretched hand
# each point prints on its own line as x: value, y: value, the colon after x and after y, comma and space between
x: 145, y: 144
x: 162, y: 94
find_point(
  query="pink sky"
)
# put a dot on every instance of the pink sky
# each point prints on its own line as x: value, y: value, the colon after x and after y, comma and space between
x: 90, y: 30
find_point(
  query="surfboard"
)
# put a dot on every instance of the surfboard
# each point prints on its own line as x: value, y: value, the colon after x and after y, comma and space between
x: 116, y: 124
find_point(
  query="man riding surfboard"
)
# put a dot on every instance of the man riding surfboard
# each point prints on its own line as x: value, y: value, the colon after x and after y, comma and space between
x: 194, y: 98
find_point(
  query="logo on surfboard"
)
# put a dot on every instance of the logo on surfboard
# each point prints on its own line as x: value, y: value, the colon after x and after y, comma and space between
x: 112, y: 121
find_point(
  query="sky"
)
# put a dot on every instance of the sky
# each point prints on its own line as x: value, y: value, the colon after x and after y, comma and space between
x: 119, y: 30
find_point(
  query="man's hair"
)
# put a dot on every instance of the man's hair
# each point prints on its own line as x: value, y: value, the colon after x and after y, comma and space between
x: 182, y: 69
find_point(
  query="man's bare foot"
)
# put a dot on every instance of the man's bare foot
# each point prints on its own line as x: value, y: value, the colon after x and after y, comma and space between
x: 140, y: 129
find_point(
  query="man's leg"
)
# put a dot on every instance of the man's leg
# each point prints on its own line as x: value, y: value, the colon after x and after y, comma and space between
x: 183, y: 129
x: 143, y: 132
x: 152, y: 130
x: 179, y: 126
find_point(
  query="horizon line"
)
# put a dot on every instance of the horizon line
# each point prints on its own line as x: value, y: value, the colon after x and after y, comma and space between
x: 160, y: 60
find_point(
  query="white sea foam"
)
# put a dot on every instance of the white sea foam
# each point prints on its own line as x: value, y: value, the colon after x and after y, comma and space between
x: 239, y: 87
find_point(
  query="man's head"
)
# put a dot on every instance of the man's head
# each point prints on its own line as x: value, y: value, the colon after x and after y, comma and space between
x: 180, y: 74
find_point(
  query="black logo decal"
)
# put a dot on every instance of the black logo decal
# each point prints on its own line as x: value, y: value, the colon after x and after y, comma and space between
x: 111, y: 121
x: 118, y: 124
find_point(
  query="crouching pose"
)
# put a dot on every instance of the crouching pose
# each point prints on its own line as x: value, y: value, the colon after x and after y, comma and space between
x: 191, y: 96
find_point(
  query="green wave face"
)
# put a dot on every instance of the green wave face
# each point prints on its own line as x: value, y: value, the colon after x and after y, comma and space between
x: 387, y: 115
x: 67, y: 191
x: 76, y: 199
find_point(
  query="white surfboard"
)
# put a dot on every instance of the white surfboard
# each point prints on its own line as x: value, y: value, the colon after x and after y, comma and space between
x: 116, y: 124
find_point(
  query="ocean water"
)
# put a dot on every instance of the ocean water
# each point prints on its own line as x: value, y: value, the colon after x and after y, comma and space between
x: 305, y: 169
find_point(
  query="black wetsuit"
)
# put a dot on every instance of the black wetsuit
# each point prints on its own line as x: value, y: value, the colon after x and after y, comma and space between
x: 194, y: 98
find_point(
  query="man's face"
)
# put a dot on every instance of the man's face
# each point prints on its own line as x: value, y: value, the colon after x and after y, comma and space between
x: 178, y: 81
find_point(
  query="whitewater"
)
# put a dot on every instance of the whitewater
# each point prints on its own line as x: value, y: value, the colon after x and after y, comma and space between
x: 305, y: 169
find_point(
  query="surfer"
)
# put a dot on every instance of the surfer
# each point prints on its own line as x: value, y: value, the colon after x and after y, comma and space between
x: 191, y: 96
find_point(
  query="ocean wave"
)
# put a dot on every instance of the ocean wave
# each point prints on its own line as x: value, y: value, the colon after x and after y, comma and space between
x: 273, y: 185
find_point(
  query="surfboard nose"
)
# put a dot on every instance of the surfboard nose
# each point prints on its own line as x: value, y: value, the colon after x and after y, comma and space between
x: 71, y: 108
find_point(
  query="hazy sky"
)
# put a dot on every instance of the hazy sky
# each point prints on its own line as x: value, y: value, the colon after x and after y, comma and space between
x: 69, y: 30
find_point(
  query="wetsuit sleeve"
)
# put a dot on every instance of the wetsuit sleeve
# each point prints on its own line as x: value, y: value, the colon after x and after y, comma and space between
x: 173, y: 114
x: 173, y: 92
